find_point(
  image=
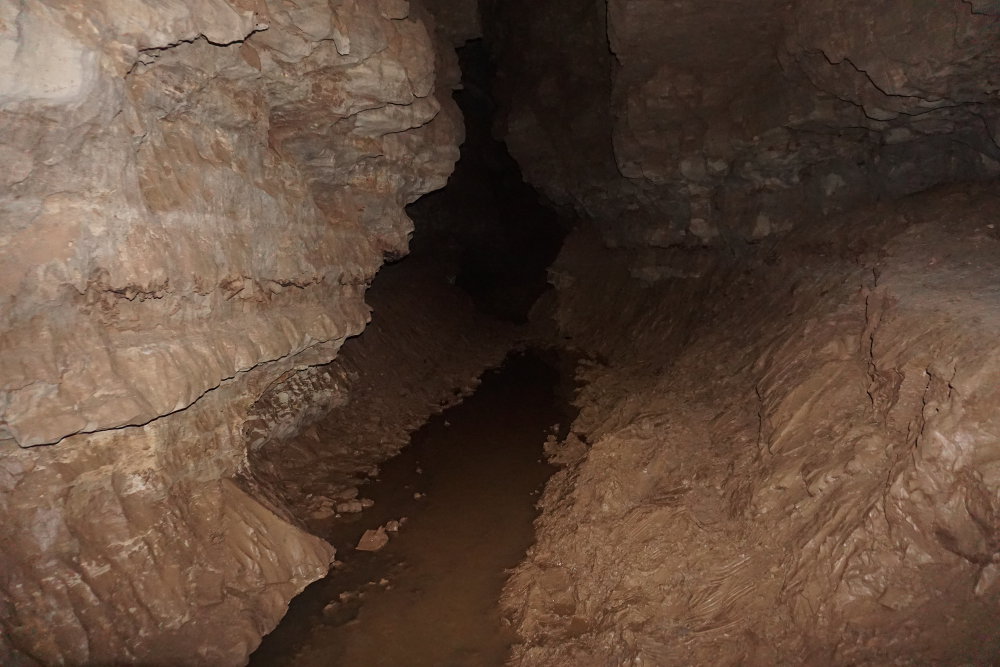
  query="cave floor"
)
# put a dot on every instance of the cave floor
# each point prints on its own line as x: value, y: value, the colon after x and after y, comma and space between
x: 429, y: 597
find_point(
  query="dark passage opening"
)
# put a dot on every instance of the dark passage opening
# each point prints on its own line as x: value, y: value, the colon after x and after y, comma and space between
x: 491, y: 231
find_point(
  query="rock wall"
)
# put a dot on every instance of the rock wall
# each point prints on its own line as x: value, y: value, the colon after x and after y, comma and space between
x: 682, y: 123
x: 787, y: 458
x: 786, y: 452
x: 194, y: 197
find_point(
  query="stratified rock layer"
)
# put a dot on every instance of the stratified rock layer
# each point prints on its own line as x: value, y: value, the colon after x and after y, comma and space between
x: 194, y: 197
x: 790, y: 458
x: 722, y: 124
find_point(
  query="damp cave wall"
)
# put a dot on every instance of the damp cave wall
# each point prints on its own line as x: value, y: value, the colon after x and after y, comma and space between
x: 729, y: 123
x: 786, y: 452
x: 195, y: 196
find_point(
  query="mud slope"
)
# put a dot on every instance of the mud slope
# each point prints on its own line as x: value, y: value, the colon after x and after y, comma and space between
x: 793, y: 456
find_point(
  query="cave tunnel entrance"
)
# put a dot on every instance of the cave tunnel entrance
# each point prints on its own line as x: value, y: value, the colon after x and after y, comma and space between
x: 491, y: 231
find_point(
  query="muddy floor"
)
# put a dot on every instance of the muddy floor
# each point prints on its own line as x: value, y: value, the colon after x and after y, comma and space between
x: 464, y: 493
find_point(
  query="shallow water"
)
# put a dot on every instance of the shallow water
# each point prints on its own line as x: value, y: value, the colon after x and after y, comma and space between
x: 430, y: 596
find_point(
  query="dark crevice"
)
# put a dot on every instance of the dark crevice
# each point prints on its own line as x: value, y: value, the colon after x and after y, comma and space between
x: 494, y: 234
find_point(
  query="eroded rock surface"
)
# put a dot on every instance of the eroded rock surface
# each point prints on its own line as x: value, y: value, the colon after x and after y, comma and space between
x: 787, y: 447
x: 790, y: 458
x: 694, y: 124
x: 194, y: 198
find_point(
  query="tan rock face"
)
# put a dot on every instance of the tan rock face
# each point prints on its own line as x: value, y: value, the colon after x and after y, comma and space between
x: 791, y: 457
x: 788, y: 451
x: 194, y: 197
x: 727, y: 122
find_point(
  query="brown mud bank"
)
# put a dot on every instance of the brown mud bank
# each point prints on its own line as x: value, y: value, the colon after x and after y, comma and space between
x: 787, y: 457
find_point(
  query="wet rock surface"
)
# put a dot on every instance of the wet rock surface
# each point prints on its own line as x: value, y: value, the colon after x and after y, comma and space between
x: 423, y: 352
x: 198, y: 141
x: 461, y: 498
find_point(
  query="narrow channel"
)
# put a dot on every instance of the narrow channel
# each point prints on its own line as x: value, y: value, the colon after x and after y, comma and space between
x: 429, y: 597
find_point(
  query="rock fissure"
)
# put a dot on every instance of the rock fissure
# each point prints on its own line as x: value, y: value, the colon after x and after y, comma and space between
x: 875, y: 85
x: 150, y: 54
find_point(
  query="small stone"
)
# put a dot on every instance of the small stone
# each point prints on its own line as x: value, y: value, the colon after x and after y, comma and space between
x: 322, y: 513
x: 350, y: 507
x: 367, y: 502
x: 346, y: 494
x: 394, y: 9
x: 373, y: 540
x: 392, y: 526
x: 988, y: 580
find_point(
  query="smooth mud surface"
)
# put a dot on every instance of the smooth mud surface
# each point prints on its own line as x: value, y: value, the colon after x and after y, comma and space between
x: 429, y: 597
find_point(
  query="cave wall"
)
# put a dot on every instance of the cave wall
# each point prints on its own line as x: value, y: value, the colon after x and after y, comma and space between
x: 681, y: 123
x: 195, y: 195
x: 790, y: 457
x: 786, y: 451
x: 457, y: 21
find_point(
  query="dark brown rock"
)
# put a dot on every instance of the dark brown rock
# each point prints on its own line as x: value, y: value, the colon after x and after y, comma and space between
x: 723, y: 124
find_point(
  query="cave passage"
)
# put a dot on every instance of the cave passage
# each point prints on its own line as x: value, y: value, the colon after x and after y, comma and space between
x: 430, y: 596
x: 753, y: 244
x: 492, y: 232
